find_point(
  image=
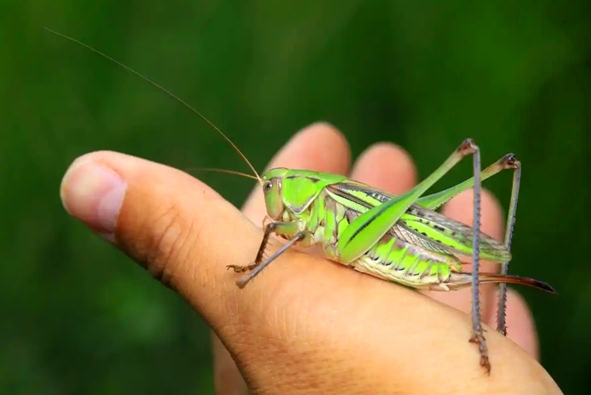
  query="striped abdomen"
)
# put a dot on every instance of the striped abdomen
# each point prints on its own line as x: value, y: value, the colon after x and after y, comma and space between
x: 395, y: 260
x: 392, y: 258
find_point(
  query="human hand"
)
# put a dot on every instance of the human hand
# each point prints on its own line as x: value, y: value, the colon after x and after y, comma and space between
x: 305, y: 325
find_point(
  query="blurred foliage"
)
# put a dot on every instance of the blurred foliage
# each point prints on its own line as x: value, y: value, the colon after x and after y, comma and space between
x: 79, y: 317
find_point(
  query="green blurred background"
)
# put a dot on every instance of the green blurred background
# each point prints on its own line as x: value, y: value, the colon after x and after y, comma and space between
x: 79, y: 317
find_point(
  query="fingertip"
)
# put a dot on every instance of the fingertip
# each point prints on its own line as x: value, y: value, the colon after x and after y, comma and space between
x: 319, y: 146
x: 93, y: 192
x: 386, y: 166
x: 520, y: 324
x: 461, y: 208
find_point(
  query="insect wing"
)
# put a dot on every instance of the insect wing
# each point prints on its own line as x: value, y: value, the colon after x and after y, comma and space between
x: 451, y: 235
x: 419, y: 225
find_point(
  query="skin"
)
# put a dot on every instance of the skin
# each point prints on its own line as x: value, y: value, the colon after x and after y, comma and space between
x: 306, y: 325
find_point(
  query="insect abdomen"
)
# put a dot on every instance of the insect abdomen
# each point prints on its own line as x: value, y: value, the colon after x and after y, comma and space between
x: 395, y: 260
x: 391, y: 259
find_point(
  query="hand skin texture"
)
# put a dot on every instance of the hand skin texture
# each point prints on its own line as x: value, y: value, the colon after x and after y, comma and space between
x: 305, y: 325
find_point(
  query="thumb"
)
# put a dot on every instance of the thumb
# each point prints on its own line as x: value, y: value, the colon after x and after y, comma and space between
x: 164, y: 219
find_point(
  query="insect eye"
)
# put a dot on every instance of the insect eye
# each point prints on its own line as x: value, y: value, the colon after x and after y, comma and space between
x: 267, y: 186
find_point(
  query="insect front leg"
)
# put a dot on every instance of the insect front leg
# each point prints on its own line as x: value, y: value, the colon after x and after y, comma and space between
x: 289, y: 229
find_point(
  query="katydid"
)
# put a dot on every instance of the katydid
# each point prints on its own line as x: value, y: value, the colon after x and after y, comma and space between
x: 397, y: 238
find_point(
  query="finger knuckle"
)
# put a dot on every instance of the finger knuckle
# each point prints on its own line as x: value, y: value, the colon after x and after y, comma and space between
x: 171, y: 243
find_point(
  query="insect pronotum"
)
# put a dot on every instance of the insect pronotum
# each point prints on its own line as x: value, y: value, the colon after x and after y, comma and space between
x: 396, y: 238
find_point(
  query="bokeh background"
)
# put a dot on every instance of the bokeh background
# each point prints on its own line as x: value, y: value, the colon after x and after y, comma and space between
x: 79, y: 317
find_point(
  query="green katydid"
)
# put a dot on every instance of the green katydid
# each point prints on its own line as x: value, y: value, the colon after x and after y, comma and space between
x: 398, y: 238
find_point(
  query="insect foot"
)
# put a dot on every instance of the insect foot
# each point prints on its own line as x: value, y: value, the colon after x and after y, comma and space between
x: 467, y: 147
x: 510, y: 161
x: 478, y: 338
x: 241, y: 269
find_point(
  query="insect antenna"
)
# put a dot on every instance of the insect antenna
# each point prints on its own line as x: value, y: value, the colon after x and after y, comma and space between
x: 212, y: 169
x: 169, y: 93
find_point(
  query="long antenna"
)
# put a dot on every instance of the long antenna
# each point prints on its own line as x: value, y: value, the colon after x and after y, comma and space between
x: 216, y: 170
x: 175, y: 97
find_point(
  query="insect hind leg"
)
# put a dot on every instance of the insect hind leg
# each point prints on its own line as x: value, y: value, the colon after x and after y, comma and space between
x: 477, y: 331
x: 511, y: 216
x: 436, y: 200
